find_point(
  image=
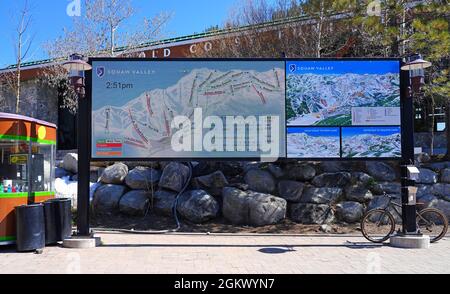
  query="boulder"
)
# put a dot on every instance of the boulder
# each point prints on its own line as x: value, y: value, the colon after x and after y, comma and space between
x: 230, y: 168
x: 163, y: 202
x: 135, y: 202
x: 300, y: 172
x: 381, y: 171
x: 212, y: 183
x: 107, y: 198
x: 358, y: 193
x: 61, y: 173
x: 424, y: 190
x: 203, y: 168
x: 380, y: 202
x: 386, y: 187
x: 235, y: 205
x: 252, y: 208
x: 445, y: 176
x: 198, y: 206
x: 427, y: 176
x: 442, y: 205
x: 114, y: 174
x: 362, y: 178
x: 70, y: 162
x: 260, y: 181
x: 174, y: 176
x: 142, y: 178
x: 425, y: 200
x: 275, y: 170
x: 321, y: 195
x: 350, y: 211
x: 265, y: 209
x: 290, y: 190
x: 340, y: 179
x: 441, y: 190
x: 338, y: 166
x: 437, y: 166
x: 309, y: 214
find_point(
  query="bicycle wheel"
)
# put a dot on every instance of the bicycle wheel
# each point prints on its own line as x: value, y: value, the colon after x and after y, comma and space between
x: 432, y: 222
x: 377, y: 225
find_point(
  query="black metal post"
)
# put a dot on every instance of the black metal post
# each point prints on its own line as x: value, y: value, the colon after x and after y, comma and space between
x: 83, y: 167
x: 408, y: 210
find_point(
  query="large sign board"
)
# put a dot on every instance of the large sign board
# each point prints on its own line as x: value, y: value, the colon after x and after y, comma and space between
x: 245, y: 109
x: 343, y: 109
x: 188, y: 109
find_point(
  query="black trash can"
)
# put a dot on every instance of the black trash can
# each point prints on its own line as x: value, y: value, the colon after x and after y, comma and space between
x: 58, y: 220
x: 30, y: 227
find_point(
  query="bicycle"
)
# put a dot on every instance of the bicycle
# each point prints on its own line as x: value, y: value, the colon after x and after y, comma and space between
x: 377, y: 225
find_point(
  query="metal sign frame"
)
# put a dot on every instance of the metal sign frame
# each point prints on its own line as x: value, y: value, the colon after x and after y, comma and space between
x: 89, y: 84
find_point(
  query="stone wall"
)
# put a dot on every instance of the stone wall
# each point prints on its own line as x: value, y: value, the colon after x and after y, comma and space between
x: 258, y: 194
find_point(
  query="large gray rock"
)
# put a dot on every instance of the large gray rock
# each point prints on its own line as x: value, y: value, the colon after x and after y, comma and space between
x: 424, y: 190
x: 163, y: 202
x: 387, y: 187
x: 380, y: 171
x: 135, y: 202
x: 425, y: 200
x: 307, y: 213
x: 275, y: 170
x: 235, y: 205
x: 114, y: 174
x: 442, y: 205
x: 445, y: 176
x: 358, y: 193
x: 437, y: 166
x: 441, y: 190
x: 341, y: 179
x: 362, y: 178
x: 142, y: 178
x: 251, y: 208
x: 174, y: 176
x: 350, y: 211
x: 381, y: 202
x: 260, y: 181
x: 70, y: 162
x: 321, y: 195
x: 427, y: 176
x: 336, y: 166
x: 290, y: 190
x: 300, y: 172
x: 198, y: 206
x: 213, y: 183
x: 107, y: 198
x: 265, y: 209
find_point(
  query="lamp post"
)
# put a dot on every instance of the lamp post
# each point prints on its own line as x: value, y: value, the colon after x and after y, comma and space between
x: 414, y: 66
x: 76, y: 67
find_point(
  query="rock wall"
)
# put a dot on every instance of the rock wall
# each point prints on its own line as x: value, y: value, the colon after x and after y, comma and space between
x: 258, y: 194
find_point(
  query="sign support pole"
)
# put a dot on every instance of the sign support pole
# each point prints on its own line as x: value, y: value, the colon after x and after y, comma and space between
x: 408, y: 208
x: 83, y: 166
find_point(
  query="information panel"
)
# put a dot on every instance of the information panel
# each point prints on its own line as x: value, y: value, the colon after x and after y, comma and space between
x: 348, y: 105
x: 143, y: 109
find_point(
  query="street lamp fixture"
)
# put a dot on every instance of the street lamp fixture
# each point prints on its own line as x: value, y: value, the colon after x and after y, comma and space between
x: 76, y: 67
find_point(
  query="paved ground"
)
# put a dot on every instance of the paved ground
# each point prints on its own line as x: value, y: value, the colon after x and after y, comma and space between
x: 218, y: 254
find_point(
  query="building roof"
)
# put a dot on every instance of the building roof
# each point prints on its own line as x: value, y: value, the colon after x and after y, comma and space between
x: 174, y: 41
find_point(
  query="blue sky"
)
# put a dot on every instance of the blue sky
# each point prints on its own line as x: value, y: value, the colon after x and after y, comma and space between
x: 50, y: 17
x: 162, y: 77
x: 343, y: 67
